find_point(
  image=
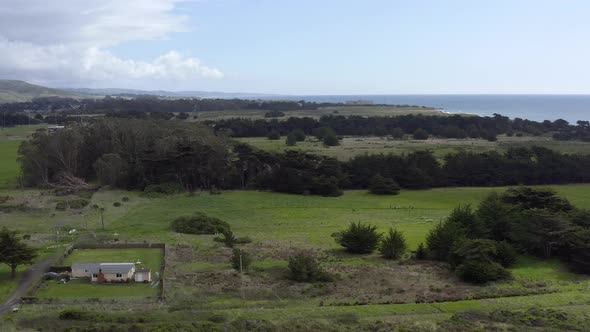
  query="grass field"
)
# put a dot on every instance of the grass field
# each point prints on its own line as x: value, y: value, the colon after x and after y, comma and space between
x: 10, y: 139
x: 340, y: 110
x: 353, y: 146
x: 81, y: 288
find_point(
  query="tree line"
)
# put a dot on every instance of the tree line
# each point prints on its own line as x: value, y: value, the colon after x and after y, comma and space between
x: 134, y: 154
x: 421, y: 126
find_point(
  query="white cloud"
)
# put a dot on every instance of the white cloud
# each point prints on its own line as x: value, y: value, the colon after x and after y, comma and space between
x: 69, y: 41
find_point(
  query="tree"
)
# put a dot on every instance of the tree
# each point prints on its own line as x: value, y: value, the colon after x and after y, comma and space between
x: 441, y: 240
x: 359, y: 238
x: 475, y: 261
x: 420, y: 134
x: 421, y: 252
x: 394, y: 245
x: 331, y: 140
x: 536, y: 198
x: 305, y: 267
x: 383, y: 186
x: 291, y: 140
x: 13, y: 252
x: 398, y: 133
x: 299, y: 135
x: 240, y: 260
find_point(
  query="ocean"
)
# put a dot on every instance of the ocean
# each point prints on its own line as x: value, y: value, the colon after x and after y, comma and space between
x: 533, y: 107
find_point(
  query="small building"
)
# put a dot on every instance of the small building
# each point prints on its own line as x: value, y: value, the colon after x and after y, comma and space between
x: 104, y: 272
x: 143, y: 275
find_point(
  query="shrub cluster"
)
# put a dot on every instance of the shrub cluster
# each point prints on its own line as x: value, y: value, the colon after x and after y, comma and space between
x: 304, y: 267
x: 199, y: 223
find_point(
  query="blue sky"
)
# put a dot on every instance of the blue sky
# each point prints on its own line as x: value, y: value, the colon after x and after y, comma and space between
x: 343, y: 47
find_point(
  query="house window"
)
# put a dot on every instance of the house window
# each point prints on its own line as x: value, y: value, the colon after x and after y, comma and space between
x: 94, y: 275
x: 119, y: 275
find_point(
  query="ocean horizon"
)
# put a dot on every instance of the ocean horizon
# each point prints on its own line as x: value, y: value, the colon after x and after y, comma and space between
x: 526, y: 106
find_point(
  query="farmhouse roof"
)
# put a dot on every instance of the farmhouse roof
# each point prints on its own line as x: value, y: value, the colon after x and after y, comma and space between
x: 143, y: 270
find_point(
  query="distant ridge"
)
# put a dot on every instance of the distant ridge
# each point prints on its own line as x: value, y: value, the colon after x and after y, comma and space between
x: 12, y: 91
x: 163, y: 93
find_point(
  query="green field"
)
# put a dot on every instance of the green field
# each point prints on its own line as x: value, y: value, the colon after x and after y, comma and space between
x: 324, y: 111
x: 10, y: 139
x: 351, y: 146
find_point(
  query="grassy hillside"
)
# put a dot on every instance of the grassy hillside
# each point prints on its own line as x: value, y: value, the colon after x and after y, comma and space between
x: 18, y: 91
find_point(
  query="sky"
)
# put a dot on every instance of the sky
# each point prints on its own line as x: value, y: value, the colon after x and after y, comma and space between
x: 300, y: 47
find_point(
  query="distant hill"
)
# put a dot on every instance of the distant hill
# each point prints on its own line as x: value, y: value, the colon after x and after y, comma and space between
x: 163, y: 93
x: 12, y: 91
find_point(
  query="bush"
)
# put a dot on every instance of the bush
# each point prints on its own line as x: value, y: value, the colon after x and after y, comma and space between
x: 394, y: 245
x: 74, y: 314
x: 306, y: 268
x: 441, y: 240
x: 421, y: 252
x: 480, y: 272
x: 117, y: 204
x: 359, y: 238
x: 398, y: 133
x: 383, y: 186
x: 291, y: 140
x: 420, y: 134
x: 246, y: 259
x: 199, y: 223
x: 125, y: 199
x: 274, y: 114
x: 299, y: 135
x: 331, y: 140
x: 505, y: 254
x: 325, y: 186
x: 229, y: 239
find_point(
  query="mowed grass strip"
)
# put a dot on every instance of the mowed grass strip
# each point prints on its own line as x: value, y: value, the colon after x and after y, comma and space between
x: 9, y: 168
x: 82, y: 288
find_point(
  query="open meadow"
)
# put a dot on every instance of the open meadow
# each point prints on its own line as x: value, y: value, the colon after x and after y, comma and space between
x: 323, y: 111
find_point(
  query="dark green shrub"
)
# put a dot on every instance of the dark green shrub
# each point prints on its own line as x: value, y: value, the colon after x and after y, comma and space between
x: 299, y: 135
x: 74, y: 314
x: 240, y: 258
x: 325, y: 186
x: 117, y: 204
x: 359, y: 238
x: 420, y: 134
x: 398, y: 133
x: 199, y: 223
x: 383, y: 186
x: 421, y: 252
x: 394, y: 245
x: 229, y: 239
x: 274, y: 114
x: 331, y: 140
x: 441, y: 240
x: 291, y: 140
x: 505, y: 254
x: 125, y: 199
x: 480, y: 272
x: 78, y: 203
x: 306, y: 268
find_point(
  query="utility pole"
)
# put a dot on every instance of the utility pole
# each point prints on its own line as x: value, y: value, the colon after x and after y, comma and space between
x: 101, y: 210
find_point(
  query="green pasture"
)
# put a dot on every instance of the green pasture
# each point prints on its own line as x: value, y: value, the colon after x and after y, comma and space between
x: 351, y: 146
x: 324, y: 111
